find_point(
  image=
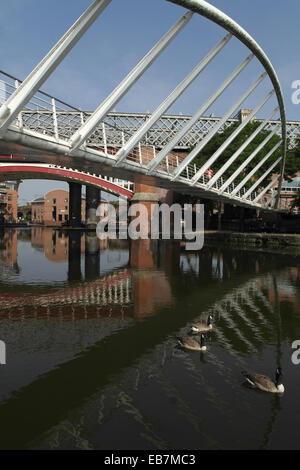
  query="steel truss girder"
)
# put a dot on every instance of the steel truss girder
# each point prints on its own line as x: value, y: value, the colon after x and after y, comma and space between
x: 40, y: 115
x: 129, y: 123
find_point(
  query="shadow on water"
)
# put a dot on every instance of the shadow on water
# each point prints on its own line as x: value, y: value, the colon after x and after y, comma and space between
x: 159, y: 289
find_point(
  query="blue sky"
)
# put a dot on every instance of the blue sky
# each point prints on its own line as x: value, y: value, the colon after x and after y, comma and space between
x: 125, y: 31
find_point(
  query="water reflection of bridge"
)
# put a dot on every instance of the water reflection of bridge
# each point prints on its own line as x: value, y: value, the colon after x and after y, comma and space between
x: 245, y: 318
x: 87, y: 300
x: 136, y: 287
x: 246, y: 322
x: 212, y: 280
x: 141, y: 287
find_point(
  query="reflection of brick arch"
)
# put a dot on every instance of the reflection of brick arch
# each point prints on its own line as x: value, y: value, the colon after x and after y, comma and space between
x: 44, y: 171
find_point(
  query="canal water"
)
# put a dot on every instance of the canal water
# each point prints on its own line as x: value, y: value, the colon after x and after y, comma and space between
x: 91, y: 357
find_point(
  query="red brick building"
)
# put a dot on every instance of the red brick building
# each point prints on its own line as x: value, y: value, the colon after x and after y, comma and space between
x: 53, y: 208
x: 9, y: 202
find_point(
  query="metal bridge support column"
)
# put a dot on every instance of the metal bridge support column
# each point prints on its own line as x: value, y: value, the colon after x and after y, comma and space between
x: 92, y: 200
x: 74, y: 264
x: 75, y: 204
x: 92, y: 256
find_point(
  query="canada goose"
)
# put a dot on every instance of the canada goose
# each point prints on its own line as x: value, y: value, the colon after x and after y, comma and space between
x: 265, y: 383
x: 189, y: 343
x: 203, y: 327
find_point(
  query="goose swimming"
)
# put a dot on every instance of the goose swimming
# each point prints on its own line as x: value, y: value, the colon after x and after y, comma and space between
x: 265, y: 383
x: 203, y: 327
x: 189, y: 343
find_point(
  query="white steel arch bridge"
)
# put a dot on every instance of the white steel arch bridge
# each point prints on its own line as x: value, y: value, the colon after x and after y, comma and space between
x: 41, y: 128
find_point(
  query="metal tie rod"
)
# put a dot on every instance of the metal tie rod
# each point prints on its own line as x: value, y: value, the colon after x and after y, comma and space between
x: 248, y: 160
x: 254, y: 186
x: 162, y: 108
x: 229, y: 162
x: 269, y: 185
x: 228, y: 141
x: 252, y: 172
x: 17, y: 101
x: 167, y: 149
x: 108, y: 104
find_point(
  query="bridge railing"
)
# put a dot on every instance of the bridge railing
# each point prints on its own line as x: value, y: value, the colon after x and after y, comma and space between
x: 51, y: 116
x: 43, y: 113
x: 143, y: 155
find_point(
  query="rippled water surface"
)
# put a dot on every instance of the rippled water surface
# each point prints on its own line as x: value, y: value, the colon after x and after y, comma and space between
x: 90, y: 331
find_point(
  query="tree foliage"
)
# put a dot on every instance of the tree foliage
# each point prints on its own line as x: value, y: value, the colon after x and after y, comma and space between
x: 292, y: 164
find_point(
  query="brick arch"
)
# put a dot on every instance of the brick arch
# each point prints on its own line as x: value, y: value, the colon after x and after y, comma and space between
x: 44, y: 171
